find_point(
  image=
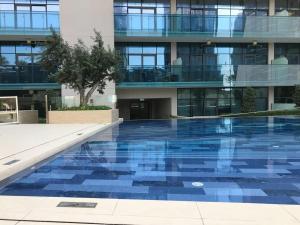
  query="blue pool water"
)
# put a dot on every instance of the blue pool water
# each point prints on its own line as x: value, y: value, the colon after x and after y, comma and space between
x: 230, y: 160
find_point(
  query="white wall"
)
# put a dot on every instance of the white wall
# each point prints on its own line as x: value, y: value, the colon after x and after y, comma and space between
x: 78, y: 20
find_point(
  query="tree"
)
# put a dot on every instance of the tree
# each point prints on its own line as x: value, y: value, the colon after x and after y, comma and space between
x: 297, y: 96
x: 248, y: 101
x: 84, y: 69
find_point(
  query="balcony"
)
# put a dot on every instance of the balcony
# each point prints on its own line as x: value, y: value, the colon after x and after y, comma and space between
x: 210, y: 76
x: 25, y: 77
x: 33, y: 24
x: 198, y: 28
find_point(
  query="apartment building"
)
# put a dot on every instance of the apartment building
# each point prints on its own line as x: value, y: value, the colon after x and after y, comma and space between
x: 180, y: 57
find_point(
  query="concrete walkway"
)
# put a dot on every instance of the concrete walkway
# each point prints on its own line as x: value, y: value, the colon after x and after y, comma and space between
x: 15, y: 138
x: 139, y: 212
x: 23, y: 146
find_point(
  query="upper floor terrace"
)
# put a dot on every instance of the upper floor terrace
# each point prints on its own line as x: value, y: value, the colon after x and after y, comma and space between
x: 28, y: 19
x: 28, y: 24
x: 210, y: 76
x: 195, y: 28
x: 25, y: 77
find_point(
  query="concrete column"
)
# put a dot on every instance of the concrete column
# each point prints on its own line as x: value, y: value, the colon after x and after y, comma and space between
x: 173, y: 52
x: 173, y: 57
x: 271, y: 53
x: 270, y: 98
x: 173, y: 6
x: 74, y: 27
x: 174, y: 106
x: 271, y: 56
x: 271, y: 7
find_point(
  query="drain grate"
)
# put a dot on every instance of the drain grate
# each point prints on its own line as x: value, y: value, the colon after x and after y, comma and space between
x: 11, y: 162
x: 77, y: 204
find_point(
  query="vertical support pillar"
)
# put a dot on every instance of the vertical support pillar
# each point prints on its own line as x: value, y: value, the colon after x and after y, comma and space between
x: 173, y: 6
x: 174, y: 105
x: 270, y: 98
x: 173, y: 57
x: 173, y: 44
x: 173, y: 52
x: 46, y: 109
x: 271, y: 53
x: 271, y: 56
x: 271, y: 7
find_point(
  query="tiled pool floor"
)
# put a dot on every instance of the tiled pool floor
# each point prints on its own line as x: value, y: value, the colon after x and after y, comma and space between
x: 254, y: 160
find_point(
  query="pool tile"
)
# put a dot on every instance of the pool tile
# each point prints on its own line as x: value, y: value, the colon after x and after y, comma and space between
x: 296, y: 199
x: 266, y: 171
x: 234, y: 192
x: 235, y: 159
x: 107, y: 183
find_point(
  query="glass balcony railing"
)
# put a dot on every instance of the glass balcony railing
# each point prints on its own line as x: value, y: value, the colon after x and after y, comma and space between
x: 149, y: 25
x: 20, y: 23
x: 211, y: 76
x: 23, y: 75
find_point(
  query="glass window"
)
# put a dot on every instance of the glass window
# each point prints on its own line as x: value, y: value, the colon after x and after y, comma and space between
x: 23, y: 49
x: 212, y: 101
x: 262, y: 4
x: 261, y: 92
x: 149, y: 60
x: 222, y: 54
x: 281, y: 4
x: 292, y: 6
x: 184, y: 93
x: 197, y: 3
x: 6, y: 7
x: 161, y: 61
x: 16, y: 52
x: 197, y: 93
x: 225, y: 7
x: 290, y: 51
x: 149, y: 50
x: 135, y: 60
x: 184, y: 3
x: 184, y: 108
x: 225, y: 93
x: 147, y: 54
x: 211, y: 93
x: 136, y: 50
x: 8, y: 49
x: 142, y: 6
x: 10, y: 59
x: 53, y: 8
x: 197, y: 107
x: 30, y: 14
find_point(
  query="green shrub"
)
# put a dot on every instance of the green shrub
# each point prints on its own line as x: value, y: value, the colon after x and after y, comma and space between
x: 248, y: 101
x: 78, y: 108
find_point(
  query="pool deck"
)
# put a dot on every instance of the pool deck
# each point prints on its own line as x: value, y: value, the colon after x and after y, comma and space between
x: 25, y: 145
x: 32, y: 143
x: 139, y: 212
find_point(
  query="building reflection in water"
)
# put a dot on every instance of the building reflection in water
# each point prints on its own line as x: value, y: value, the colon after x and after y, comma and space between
x: 227, y: 147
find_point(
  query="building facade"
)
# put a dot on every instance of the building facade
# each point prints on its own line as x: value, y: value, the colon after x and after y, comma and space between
x: 180, y: 57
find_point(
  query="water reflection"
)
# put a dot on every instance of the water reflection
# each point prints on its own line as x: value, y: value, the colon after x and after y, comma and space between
x: 163, y: 159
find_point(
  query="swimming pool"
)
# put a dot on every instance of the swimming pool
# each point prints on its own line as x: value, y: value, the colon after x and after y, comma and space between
x: 255, y: 160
